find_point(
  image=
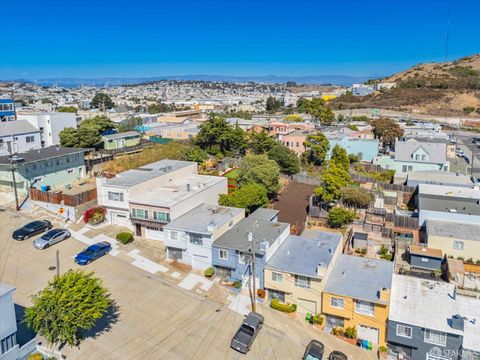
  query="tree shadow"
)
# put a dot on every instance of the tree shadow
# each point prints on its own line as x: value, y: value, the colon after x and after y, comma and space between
x: 24, y: 333
x: 104, y: 324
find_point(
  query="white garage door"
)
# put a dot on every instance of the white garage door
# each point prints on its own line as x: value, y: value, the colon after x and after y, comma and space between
x: 200, y: 262
x: 154, y: 233
x: 305, y: 306
x: 120, y: 219
x: 367, y: 333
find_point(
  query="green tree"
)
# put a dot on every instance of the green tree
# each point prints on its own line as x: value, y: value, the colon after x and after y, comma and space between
x: 334, y: 178
x: 338, y: 217
x: 356, y: 197
x: 102, y: 101
x: 159, y: 108
x: 129, y: 124
x: 294, y: 118
x: 340, y: 157
x: 194, y: 153
x: 273, y: 104
x: 250, y: 197
x: 285, y: 158
x: 88, y: 134
x: 69, y: 137
x: 67, y: 109
x: 100, y: 123
x: 261, y: 142
x: 261, y: 170
x: 316, y: 148
x: 387, y: 130
x: 71, y: 302
x: 316, y: 107
x: 216, y: 136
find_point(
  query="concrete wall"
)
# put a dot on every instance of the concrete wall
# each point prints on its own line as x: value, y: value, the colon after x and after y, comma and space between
x: 471, y: 248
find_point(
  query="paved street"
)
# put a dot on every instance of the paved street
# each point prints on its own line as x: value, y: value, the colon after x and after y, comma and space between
x: 156, y: 319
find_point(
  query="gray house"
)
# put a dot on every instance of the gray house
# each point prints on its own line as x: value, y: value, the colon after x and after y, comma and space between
x: 429, y: 320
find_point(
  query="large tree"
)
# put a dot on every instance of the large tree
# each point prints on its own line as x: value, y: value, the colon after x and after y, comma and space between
x: 316, y: 107
x: 70, y: 303
x: 316, y: 148
x: 216, y: 136
x: 285, y: 158
x: 387, y: 131
x: 261, y: 170
x: 334, y: 178
x: 88, y: 133
x: 194, y: 153
x: 340, y: 157
x: 261, y: 142
x: 101, y: 101
x: 273, y: 104
x: 356, y: 197
x: 250, y: 197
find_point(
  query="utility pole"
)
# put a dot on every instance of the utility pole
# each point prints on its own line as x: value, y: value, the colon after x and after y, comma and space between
x: 251, y: 250
x: 57, y: 260
x: 14, y: 181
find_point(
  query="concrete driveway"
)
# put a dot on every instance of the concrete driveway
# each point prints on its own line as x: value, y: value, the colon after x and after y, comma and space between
x: 156, y: 319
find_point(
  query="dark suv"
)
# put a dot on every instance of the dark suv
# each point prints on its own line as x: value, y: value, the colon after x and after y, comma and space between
x: 32, y: 229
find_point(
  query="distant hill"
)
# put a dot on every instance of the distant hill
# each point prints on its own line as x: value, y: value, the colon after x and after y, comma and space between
x: 341, y: 80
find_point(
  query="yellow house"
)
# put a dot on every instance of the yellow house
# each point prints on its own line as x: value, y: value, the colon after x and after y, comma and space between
x: 454, y: 238
x: 296, y: 273
x: 357, y: 294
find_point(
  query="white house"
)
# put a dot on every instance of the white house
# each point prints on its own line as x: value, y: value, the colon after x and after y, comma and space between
x: 50, y: 124
x: 189, y: 238
x: 18, y: 136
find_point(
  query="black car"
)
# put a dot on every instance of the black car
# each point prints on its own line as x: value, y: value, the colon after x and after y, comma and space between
x: 32, y: 229
x: 337, y: 355
x: 314, y: 351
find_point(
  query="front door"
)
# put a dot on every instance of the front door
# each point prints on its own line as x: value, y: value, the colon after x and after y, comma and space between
x: 138, y: 230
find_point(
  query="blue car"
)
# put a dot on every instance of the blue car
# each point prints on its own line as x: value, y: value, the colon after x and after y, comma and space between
x: 93, y: 252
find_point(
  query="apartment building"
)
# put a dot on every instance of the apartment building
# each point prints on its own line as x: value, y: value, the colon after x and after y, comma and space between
x: 148, y: 198
x: 50, y: 124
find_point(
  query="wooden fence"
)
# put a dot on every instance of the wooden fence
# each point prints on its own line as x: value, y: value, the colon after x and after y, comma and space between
x: 57, y: 197
x: 402, y: 221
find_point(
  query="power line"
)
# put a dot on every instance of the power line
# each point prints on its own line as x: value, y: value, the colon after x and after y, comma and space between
x: 448, y: 30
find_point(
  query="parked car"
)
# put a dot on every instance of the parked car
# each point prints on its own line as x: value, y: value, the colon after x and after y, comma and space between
x: 32, y: 229
x: 93, y: 252
x: 337, y: 355
x: 50, y: 238
x: 314, y: 351
x: 244, y: 337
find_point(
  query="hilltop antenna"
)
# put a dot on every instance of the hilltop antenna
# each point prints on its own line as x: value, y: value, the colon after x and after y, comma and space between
x: 448, y: 30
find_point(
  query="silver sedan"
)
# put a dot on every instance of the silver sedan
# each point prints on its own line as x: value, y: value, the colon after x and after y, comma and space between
x: 50, y: 238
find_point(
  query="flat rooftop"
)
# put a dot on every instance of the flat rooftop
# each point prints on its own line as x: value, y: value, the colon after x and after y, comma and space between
x: 200, y: 218
x: 425, y: 251
x: 264, y: 214
x: 144, y: 173
x: 42, y: 154
x: 170, y: 194
x: 237, y: 237
x: 440, y: 178
x: 431, y: 304
x: 121, y: 135
x: 359, y: 277
x: 301, y: 255
x: 448, y: 191
x: 453, y: 229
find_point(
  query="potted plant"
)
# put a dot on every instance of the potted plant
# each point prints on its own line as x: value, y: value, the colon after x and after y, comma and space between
x: 209, y: 272
x: 382, y: 352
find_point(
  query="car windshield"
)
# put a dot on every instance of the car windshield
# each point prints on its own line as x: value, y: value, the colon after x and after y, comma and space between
x: 51, y: 234
x: 248, y: 329
x: 311, y: 357
x: 33, y: 225
x: 90, y: 251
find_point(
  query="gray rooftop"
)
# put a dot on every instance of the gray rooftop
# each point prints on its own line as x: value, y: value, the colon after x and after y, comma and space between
x: 5, y: 289
x: 121, y: 135
x: 42, y: 154
x: 200, y: 218
x: 264, y: 214
x: 359, y: 277
x: 17, y: 127
x: 405, y: 148
x: 237, y: 237
x: 439, y: 178
x: 453, y: 229
x: 144, y: 173
x: 302, y: 255
x: 448, y: 191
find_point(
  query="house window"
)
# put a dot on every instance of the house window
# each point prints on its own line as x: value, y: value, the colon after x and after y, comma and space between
x: 277, y: 277
x: 243, y: 258
x: 404, y: 168
x: 336, y: 302
x: 70, y: 171
x: 410, y: 167
x: 458, y: 245
x: 404, y: 331
x: 173, y: 235
x: 302, y: 281
x: 140, y: 214
x: 30, y: 139
x: 115, y: 196
x: 223, y: 254
x: 424, y: 157
x: 435, y: 337
x: 298, y: 144
x: 161, y: 216
x: 196, y: 239
x: 364, y: 307
x: 417, y: 157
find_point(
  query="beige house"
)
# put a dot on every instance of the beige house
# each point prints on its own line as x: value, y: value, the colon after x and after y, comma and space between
x: 454, y: 238
x: 299, y: 269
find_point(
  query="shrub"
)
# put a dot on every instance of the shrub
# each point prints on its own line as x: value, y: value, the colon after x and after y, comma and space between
x: 237, y: 284
x: 36, y: 356
x: 351, y: 332
x: 209, y: 272
x: 337, y: 331
x: 124, y: 237
x: 94, y: 216
x: 362, y: 251
x: 469, y: 260
x: 460, y: 258
x: 261, y: 293
x: 477, y: 262
x: 287, y: 308
x: 468, y: 109
x: 437, y: 273
x: 338, y: 217
x: 318, y: 319
x: 382, y: 349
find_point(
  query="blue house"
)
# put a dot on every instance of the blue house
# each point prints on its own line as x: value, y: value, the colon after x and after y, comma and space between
x: 231, y: 252
x: 7, y: 110
x: 368, y: 148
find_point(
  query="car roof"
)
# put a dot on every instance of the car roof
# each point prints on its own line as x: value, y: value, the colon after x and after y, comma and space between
x: 315, y: 348
x: 338, y: 355
x: 99, y: 245
x: 54, y: 231
x: 34, y: 223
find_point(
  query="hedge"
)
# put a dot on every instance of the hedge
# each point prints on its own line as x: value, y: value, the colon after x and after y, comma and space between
x: 277, y: 305
x: 124, y: 237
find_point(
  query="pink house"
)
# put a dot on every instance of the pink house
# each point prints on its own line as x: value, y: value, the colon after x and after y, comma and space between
x: 294, y: 141
x: 281, y: 128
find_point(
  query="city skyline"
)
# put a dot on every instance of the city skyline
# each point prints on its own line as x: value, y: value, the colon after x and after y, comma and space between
x: 114, y: 39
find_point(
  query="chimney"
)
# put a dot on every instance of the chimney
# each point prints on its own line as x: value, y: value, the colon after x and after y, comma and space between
x: 212, y: 225
x: 321, y: 269
x: 250, y: 236
x: 189, y: 187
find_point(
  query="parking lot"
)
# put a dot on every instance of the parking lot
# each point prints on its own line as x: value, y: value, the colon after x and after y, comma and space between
x: 155, y: 319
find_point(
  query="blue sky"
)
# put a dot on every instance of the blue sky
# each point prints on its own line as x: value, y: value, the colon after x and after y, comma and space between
x: 126, y: 38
